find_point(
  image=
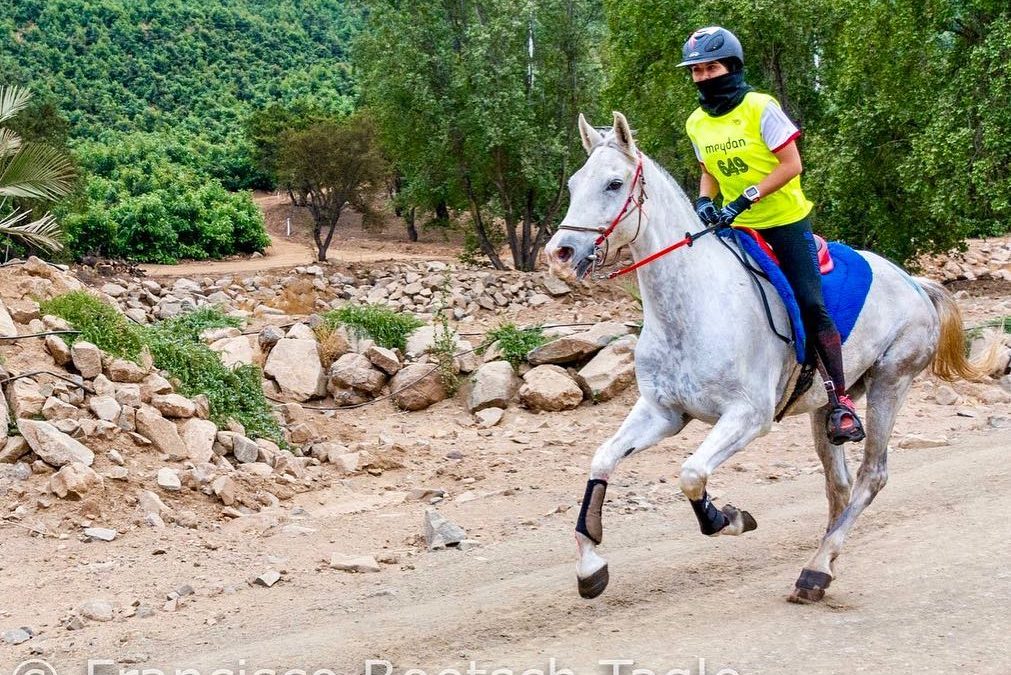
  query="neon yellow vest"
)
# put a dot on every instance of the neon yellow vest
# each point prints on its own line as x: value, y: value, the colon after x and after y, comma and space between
x: 735, y: 154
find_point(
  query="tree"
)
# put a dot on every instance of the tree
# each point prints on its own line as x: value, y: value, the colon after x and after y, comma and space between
x: 29, y: 172
x: 476, y: 104
x: 328, y: 166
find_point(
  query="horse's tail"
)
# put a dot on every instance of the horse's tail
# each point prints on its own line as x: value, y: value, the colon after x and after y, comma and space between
x: 950, y: 361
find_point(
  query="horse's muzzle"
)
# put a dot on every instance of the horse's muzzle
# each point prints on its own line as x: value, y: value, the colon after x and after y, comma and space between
x: 570, y: 257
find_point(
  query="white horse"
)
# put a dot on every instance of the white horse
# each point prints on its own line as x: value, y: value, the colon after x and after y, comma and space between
x: 706, y: 351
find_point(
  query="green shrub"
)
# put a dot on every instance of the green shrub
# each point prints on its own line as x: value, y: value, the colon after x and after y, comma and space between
x: 99, y: 324
x: 176, y: 348
x: 383, y: 325
x: 514, y: 343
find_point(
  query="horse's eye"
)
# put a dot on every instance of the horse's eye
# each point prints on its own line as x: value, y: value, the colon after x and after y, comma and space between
x: 614, y: 184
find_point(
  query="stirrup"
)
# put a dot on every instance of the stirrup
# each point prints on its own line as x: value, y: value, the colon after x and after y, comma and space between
x: 843, y: 424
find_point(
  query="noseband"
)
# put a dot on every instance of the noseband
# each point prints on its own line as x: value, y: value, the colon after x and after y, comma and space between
x: 632, y: 203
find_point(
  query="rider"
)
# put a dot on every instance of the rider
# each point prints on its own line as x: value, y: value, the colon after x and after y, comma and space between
x: 745, y: 145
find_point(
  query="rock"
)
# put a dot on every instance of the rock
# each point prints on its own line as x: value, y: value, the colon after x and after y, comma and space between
x: 161, y: 432
x: 611, y: 371
x: 52, y: 445
x: 55, y: 409
x: 198, y: 436
x: 235, y: 351
x: 96, y: 610
x: 224, y: 489
x: 129, y: 394
x: 26, y: 398
x: 7, y: 326
x: 105, y: 408
x: 244, y: 450
x: 489, y: 417
x: 168, y: 479
x: 268, y: 578
x: 149, y: 502
x: 75, y: 480
x: 384, y: 359
x: 300, y: 331
x: 121, y: 370
x: 549, y: 388
x: 302, y: 433
x: 493, y: 385
x: 578, y: 346
x: 993, y: 396
x: 439, y: 532
x: 154, y: 384
x: 538, y: 299
x: 297, y: 369
x: 14, y: 449
x: 923, y: 441
x: 360, y: 564
x: 268, y: 337
x: 417, y: 386
x: 115, y: 290
x: 554, y: 285
x: 100, y: 533
x: 355, y: 371
x: 87, y: 359
x: 423, y: 339
x: 174, y: 405
x: 16, y: 636
x: 58, y: 349
x: 945, y: 395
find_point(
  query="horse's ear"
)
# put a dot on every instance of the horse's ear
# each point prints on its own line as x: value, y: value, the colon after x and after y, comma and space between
x: 623, y: 133
x: 591, y: 137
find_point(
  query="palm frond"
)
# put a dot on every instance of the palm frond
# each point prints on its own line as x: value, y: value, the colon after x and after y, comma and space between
x: 36, y: 172
x: 13, y: 100
x: 10, y: 142
x: 43, y: 233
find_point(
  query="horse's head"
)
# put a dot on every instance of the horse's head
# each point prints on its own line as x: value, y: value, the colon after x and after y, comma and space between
x: 603, y: 198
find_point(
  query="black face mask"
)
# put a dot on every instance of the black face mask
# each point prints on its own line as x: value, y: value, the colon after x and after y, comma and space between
x: 720, y: 95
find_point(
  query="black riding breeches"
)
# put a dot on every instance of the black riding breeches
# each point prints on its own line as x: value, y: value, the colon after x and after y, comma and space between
x: 798, y: 259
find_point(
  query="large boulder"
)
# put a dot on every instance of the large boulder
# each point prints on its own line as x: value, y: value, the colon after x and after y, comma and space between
x: 52, y: 445
x: 611, y: 371
x: 75, y: 480
x: 424, y: 338
x: 161, y: 432
x: 87, y: 359
x: 198, y: 436
x: 26, y: 398
x: 355, y: 371
x: 550, y: 388
x: 578, y: 346
x: 235, y: 351
x: 494, y: 385
x: 417, y: 386
x: 295, y: 366
x: 7, y: 326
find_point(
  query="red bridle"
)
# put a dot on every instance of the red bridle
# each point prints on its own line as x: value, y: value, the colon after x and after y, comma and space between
x: 605, y: 232
x: 631, y: 201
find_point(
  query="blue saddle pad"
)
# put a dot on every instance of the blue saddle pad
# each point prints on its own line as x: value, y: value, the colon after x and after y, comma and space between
x: 845, y: 287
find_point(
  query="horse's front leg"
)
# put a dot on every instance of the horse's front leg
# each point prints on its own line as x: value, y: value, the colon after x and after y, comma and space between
x: 645, y: 425
x: 734, y: 430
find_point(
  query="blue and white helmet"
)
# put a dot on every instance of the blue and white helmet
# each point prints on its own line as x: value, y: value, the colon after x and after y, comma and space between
x: 713, y: 43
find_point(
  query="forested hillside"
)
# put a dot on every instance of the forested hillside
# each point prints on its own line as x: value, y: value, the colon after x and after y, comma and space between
x: 180, y: 79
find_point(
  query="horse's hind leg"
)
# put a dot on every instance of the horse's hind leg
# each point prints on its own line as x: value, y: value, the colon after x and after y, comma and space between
x: 833, y: 460
x: 885, y: 395
x: 645, y: 426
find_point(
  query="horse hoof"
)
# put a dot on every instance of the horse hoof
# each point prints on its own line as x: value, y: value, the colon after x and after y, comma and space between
x: 806, y: 596
x: 749, y: 522
x: 594, y: 585
x: 810, y: 587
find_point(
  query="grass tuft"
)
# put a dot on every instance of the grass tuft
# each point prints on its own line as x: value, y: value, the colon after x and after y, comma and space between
x: 515, y: 343
x: 384, y: 326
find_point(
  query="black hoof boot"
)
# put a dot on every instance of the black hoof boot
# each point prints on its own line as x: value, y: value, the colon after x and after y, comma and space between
x: 810, y: 587
x: 594, y: 585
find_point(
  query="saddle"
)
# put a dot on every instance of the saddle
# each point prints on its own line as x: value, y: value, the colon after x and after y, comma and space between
x: 825, y: 262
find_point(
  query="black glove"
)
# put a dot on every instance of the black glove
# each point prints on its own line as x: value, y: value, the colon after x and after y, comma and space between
x: 708, y: 213
x: 733, y: 209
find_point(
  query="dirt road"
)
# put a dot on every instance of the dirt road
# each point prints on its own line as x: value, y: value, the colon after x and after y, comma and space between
x: 923, y: 587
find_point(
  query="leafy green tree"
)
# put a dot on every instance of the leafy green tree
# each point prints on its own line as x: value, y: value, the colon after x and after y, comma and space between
x: 30, y: 173
x: 476, y: 104
x: 328, y: 166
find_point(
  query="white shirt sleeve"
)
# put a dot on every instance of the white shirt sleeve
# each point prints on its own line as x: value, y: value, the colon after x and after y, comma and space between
x: 698, y: 155
x: 777, y: 129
